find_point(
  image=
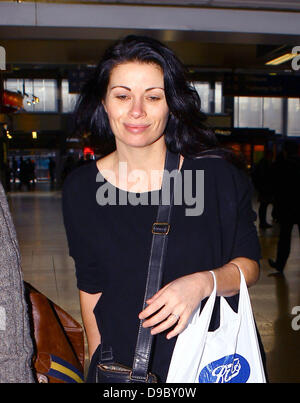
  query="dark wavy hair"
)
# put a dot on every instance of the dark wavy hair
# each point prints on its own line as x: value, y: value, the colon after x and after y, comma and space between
x: 185, y: 131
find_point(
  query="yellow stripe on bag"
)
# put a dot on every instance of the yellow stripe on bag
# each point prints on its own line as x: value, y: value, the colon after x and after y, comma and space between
x: 60, y: 368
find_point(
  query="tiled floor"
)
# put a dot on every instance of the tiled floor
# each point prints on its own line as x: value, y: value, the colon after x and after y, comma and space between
x: 46, y: 265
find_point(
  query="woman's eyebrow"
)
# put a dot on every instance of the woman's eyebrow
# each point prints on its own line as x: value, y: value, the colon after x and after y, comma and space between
x: 155, y: 88
x: 120, y: 86
x: 128, y: 89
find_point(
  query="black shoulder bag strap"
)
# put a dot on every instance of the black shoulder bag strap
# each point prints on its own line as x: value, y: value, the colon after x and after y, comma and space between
x: 160, y: 230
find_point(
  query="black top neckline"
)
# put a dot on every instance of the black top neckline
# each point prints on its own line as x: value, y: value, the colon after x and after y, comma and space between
x: 126, y: 191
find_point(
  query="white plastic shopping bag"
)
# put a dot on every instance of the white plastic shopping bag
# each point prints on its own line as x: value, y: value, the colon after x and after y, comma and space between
x: 230, y: 354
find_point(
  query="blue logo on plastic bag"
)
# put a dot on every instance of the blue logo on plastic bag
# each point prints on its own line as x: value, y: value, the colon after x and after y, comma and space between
x: 229, y: 369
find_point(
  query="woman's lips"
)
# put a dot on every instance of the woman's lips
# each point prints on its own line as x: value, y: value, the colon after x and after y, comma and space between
x: 136, y: 128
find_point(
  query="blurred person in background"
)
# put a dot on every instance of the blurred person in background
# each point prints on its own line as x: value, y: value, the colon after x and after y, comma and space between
x: 261, y: 177
x: 16, y: 348
x: 286, y: 188
x: 51, y: 168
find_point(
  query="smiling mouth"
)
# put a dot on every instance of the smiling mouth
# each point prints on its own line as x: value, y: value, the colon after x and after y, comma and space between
x: 136, y: 128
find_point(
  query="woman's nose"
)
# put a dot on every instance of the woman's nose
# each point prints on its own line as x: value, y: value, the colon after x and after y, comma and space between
x: 137, y: 109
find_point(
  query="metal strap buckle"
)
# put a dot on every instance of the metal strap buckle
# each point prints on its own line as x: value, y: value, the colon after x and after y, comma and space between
x: 160, y: 228
x: 139, y: 378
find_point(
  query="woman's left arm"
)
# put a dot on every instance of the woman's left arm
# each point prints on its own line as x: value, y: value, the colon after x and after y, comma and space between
x: 176, y: 301
x: 228, y: 276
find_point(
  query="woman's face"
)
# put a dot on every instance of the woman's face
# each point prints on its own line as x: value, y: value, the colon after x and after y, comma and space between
x: 135, y: 103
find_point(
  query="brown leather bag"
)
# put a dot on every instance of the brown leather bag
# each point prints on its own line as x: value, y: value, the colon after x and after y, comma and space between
x: 58, y: 340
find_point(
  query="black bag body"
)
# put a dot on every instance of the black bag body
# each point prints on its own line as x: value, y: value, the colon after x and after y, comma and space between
x: 108, y: 371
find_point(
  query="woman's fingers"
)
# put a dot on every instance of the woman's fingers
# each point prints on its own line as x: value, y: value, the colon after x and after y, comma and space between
x: 167, y: 318
x: 181, y: 325
x: 180, y: 297
x: 177, y: 321
x: 157, y: 295
x: 170, y: 321
x: 153, y: 307
x: 162, y: 315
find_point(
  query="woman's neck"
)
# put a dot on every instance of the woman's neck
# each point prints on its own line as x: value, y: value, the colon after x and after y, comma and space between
x: 140, y: 169
x: 144, y: 159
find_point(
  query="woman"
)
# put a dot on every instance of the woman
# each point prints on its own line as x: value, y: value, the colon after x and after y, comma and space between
x: 139, y: 96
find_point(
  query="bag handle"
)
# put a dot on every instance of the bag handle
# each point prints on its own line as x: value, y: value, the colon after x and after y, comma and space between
x: 210, y: 303
x: 160, y: 230
x: 244, y: 299
x: 191, y: 341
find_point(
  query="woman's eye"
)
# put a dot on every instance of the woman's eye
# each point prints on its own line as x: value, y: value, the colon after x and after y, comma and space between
x: 122, y: 97
x: 153, y: 98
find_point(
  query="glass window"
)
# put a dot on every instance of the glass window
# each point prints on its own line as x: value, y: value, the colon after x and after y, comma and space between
x: 207, y: 96
x: 46, y: 91
x: 272, y: 114
x: 203, y: 90
x: 218, y: 98
x: 68, y: 100
x: 247, y: 112
x: 293, y: 117
x: 13, y: 84
x: 258, y: 112
x: 41, y: 93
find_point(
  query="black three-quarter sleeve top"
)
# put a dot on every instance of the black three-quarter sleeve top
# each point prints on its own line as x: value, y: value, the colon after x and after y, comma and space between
x: 110, y: 245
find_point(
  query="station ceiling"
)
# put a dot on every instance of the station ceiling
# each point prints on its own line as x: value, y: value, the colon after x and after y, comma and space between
x: 251, y: 4
x: 215, y: 35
